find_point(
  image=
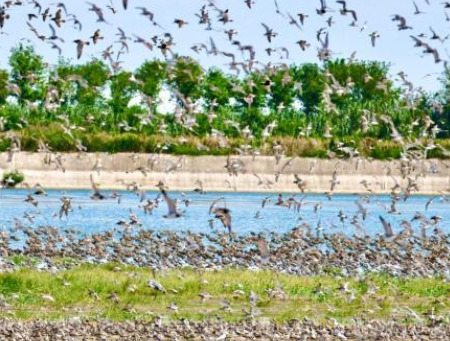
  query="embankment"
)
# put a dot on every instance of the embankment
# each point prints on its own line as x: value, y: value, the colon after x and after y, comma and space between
x: 112, y: 170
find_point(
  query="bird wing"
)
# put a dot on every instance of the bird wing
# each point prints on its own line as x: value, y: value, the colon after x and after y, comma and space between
x: 79, y: 49
x: 94, y: 185
x: 433, y: 31
x: 53, y: 30
x: 55, y: 46
x: 429, y: 202
x: 63, y: 6
x: 288, y: 163
x: 277, y: 6
x: 360, y: 207
x: 417, y: 40
x: 258, y: 177
x: 170, y: 203
x: 285, y: 50
x: 325, y: 43
x: 125, y: 4
x: 229, y: 55
x: 343, y: 3
x: 293, y: 21
x: 387, y: 227
x: 213, y: 204
x: 435, y: 52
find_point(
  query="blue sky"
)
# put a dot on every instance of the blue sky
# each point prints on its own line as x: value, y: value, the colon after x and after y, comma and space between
x: 395, y: 47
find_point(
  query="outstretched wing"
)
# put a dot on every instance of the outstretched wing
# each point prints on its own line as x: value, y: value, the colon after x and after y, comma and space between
x: 94, y: 186
x: 170, y: 203
x: 387, y: 228
x: 213, y: 204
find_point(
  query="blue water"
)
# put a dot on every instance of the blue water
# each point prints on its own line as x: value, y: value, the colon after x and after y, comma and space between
x: 90, y: 216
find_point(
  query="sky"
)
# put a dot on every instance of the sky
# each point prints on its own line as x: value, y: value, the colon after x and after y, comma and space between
x: 394, y: 46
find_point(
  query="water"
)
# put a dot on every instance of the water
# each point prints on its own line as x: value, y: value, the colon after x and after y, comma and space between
x: 90, y: 216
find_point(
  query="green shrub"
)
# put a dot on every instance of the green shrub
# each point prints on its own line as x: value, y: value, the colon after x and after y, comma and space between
x: 12, y: 179
x: 193, y: 145
x: 384, y: 150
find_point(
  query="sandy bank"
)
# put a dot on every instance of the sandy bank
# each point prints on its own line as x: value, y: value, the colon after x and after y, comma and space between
x: 111, y: 170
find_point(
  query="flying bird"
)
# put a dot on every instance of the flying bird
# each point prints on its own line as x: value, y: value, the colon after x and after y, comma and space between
x: 401, y: 22
x: 387, y: 228
x: 224, y: 215
x: 80, y: 46
x: 345, y: 10
x: 373, y: 37
x: 417, y: 11
x: 270, y: 33
x: 171, y: 205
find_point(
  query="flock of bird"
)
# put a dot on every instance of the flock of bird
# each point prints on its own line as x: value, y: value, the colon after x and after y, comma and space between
x: 306, y: 250
x: 300, y: 251
x: 241, y: 58
x: 220, y: 331
x: 414, y: 151
x: 405, y: 175
x: 214, y: 19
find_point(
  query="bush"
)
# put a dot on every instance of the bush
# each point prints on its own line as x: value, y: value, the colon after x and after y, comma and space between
x: 385, y: 150
x: 12, y: 179
x: 191, y: 145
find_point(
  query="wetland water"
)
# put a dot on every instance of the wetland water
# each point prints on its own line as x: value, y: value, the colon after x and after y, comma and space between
x: 91, y: 216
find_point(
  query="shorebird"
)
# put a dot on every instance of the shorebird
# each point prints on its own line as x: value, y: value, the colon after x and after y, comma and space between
x: 224, y: 215
x: 96, y: 195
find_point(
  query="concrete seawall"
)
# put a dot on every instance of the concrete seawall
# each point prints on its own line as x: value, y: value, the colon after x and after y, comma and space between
x: 112, y: 170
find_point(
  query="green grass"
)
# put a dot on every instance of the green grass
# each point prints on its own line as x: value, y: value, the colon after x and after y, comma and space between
x: 23, y: 291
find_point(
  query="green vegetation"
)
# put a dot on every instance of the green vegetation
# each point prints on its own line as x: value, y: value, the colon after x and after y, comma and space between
x: 123, y: 111
x: 12, y: 179
x: 122, y: 293
x: 57, y: 140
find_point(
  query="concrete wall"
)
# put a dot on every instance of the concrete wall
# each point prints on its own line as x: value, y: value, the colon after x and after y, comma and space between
x: 111, y: 169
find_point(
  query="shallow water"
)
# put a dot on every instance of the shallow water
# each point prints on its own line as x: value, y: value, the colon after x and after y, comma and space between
x: 95, y: 216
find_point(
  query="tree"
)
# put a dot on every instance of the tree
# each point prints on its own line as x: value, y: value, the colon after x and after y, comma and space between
x: 153, y: 74
x: 440, y: 103
x: 95, y: 73
x: 122, y: 91
x: 4, y: 78
x: 27, y: 72
x: 284, y: 90
x: 187, y: 77
x: 366, y: 78
x: 217, y: 87
x: 312, y: 81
